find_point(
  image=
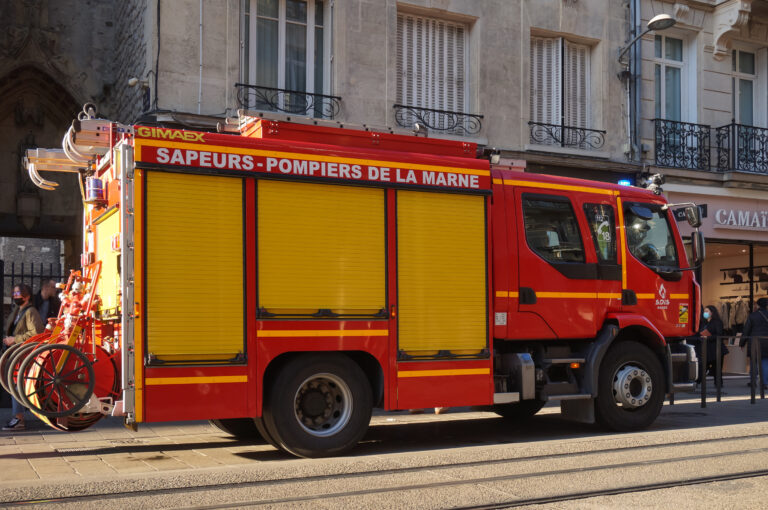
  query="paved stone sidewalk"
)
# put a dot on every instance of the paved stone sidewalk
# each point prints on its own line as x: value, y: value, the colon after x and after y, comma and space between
x: 108, y: 448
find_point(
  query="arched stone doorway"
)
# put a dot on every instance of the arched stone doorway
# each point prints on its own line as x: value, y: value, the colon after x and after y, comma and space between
x: 35, y: 111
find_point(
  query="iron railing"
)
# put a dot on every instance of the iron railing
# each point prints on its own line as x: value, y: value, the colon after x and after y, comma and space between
x: 682, y: 144
x: 566, y: 136
x: 456, y: 123
x: 295, y: 102
x: 742, y: 148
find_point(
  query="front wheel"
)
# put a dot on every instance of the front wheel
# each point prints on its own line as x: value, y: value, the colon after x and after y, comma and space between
x: 630, y: 387
x: 318, y: 405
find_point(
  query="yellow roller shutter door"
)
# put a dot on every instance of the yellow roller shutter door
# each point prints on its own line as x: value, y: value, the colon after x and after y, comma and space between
x: 109, y: 279
x: 441, y: 264
x: 194, y: 267
x: 321, y: 247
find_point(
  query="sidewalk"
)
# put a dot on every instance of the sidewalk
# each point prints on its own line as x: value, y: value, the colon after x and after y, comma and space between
x: 40, y: 453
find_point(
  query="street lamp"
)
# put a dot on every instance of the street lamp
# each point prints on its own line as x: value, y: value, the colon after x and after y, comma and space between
x: 660, y: 22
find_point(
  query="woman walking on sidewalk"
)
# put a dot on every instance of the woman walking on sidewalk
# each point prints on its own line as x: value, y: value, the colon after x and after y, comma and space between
x: 24, y: 323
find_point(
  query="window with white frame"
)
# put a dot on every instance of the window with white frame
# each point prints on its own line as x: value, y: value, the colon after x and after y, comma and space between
x: 431, y: 63
x: 560, y: 88
x: 743, y: 86
x: 285, y: 47
x: 668, y: 77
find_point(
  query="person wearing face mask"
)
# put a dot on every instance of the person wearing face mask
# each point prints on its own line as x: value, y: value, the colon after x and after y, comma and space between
x: 23, y: 323
x: 712, y: 328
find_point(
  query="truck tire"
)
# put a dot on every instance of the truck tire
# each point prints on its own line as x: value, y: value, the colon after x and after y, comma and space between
x: 241, y: 428
x: 630, y: 387
x: 519, y: 411
x: 318, y: 406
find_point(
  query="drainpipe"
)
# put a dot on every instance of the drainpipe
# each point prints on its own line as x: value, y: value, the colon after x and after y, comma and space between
x: 636, y: 77
x: 200, y: 52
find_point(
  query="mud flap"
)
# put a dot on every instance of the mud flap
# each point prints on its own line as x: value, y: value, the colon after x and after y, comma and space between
x: 582, y: 411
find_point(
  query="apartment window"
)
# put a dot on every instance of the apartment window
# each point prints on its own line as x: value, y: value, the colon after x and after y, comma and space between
x: 743, y: 86
x: 668, y: 77
x: 560, y: 83
x: 431, y: 63
x: 284, y: 46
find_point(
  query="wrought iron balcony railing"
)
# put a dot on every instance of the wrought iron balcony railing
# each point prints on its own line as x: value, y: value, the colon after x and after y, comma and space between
x: 566, y: 136
x: 455, y: 123
x: 296, y: 102
x: 682, y: 144
x: 742, y: 148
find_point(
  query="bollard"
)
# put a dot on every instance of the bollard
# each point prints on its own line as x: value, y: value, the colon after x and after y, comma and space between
x: 703, y: 370
x: 753, y: 364
x: 758, y: 362
x: 718, y: 367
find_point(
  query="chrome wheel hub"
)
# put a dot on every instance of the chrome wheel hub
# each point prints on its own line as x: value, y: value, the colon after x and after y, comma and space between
x: 632, y: 387
x: 323, y: 405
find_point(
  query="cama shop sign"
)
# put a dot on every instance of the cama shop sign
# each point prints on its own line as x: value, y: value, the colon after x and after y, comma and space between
x: 741, y: 219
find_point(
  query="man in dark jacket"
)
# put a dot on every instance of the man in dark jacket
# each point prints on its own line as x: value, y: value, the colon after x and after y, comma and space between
x: 46, y: 301
x: 757, y: 327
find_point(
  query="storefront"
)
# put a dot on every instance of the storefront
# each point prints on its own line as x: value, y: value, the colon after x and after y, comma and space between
x: 735, y: 272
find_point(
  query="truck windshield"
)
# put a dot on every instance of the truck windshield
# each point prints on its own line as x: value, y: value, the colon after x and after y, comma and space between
x: 649, y: 235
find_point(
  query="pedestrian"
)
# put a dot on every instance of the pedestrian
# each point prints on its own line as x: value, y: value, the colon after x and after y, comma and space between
x: 712, y: 329
x: 46, y: 301
x: 24, y: 323
x: 756, y: 327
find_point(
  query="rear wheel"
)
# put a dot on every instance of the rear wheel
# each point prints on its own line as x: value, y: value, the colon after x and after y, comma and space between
x: 630, y: 387
x: 318, y: 406
x: 241, y: 428
x: 519, y: 411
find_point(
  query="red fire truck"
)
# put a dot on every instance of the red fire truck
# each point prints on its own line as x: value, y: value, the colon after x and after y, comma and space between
x: 285, y: 278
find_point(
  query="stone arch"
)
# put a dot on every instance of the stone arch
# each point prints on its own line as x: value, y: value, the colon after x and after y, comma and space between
x: 35, y: 111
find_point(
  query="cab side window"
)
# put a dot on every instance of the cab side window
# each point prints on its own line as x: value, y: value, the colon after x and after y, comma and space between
x: 551, y: 229
x: 602, y: 225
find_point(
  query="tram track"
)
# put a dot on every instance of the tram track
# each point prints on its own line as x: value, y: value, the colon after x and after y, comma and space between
x: 341, y: 476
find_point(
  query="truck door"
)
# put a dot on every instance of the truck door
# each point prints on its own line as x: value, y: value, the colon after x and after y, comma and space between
x: 653, y: 285
x: 558, y: 270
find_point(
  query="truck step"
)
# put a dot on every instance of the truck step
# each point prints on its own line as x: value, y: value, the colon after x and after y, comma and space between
x: 679, y: 357
x: 683, y: 387
x: 563, y: 361
x: 575, y: 396
x: 506, y: 398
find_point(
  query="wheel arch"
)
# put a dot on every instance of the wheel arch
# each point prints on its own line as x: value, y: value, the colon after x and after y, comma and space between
x: 366, y: 361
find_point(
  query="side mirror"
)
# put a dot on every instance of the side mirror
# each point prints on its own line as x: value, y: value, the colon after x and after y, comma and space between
x: 693, y: 216
x: 698, y: 248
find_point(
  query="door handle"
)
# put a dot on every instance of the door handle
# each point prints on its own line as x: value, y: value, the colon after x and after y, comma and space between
x: 527, y: 296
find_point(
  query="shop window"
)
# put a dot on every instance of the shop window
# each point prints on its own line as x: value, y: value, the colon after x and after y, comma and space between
x: 551, y: 229
x: 649, y: 235
x: 602, y: 225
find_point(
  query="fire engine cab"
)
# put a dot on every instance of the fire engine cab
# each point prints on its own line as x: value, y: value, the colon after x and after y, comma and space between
x: 285, y: 278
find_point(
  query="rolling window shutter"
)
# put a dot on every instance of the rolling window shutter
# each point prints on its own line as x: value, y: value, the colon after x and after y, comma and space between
x: 430, y: 63
x: 576, y: 85
x: 441, y: 272
x: 321, y: 247
x: 194, y: 263
x: 545, y: 80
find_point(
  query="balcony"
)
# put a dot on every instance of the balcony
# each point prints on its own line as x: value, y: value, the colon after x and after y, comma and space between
x: 742, y: 148
x: 294, y: 102
x: 682, y: 144
x: 443, y: 121
x: 566, y: 136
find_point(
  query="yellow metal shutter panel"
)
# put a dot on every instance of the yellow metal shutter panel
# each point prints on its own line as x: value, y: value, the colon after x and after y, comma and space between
x: 441, y: 264
x: 109, y: 279
x: 320, y: 247
x: 194, y: 266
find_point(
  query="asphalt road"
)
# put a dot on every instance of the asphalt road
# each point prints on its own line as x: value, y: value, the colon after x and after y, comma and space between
x: 716, y: 457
